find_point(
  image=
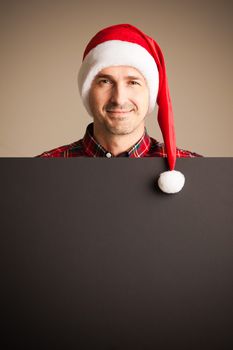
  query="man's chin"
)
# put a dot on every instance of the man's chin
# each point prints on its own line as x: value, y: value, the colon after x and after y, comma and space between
x: 120, y: 129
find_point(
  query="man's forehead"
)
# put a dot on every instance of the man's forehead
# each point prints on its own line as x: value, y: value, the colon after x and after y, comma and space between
x: 126, y: 71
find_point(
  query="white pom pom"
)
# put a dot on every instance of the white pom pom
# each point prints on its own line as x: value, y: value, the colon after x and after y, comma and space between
x: 171, y: 181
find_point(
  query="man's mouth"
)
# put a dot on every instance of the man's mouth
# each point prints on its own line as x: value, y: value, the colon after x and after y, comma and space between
x: 115, y: 111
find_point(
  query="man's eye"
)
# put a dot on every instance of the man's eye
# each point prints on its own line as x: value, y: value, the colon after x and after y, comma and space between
x: 134, y: 82
x: 104, y: 81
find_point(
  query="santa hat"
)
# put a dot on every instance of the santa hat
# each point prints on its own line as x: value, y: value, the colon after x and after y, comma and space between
x: 124, y: 44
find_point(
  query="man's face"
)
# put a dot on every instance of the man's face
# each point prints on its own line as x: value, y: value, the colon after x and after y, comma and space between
x: 119, y: 99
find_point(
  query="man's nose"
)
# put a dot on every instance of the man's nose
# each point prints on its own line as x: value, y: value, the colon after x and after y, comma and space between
x: 119, y: 94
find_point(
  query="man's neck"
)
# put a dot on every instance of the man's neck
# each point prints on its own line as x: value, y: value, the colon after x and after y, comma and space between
x: 117, y: 144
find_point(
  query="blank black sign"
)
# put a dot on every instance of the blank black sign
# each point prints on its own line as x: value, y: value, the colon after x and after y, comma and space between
x: 94, y: 256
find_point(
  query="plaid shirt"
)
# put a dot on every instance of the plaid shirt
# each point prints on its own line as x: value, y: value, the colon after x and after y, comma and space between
x: 89, y: 147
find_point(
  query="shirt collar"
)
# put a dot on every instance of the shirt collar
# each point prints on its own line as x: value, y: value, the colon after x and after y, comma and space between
x: 93, y: 149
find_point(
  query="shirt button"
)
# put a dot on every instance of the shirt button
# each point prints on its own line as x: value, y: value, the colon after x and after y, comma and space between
x: 108, y: 155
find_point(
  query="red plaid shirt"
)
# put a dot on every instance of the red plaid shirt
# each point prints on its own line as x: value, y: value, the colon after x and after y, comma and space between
x: 89, y: 147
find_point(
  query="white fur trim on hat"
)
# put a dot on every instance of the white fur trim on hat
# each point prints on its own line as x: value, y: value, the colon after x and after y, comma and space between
x: 118, y: 53
x: 171, y: 181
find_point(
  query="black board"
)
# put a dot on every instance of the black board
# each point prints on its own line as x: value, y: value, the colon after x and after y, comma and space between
x: 94, y: 256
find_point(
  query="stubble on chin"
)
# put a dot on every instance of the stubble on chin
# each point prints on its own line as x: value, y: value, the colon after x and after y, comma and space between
x: 119, y: 131
x: 126, y: 129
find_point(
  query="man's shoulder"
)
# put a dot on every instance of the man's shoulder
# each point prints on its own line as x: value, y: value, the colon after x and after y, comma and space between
x: 74, y: 149
x: 158, y: 149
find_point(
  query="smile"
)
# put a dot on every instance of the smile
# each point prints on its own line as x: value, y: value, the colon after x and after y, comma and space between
x: 119, y: 112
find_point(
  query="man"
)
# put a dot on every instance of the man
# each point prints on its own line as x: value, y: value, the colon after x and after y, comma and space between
x: 121, y: 78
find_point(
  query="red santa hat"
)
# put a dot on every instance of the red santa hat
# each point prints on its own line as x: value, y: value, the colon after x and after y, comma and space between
x: 124, y: 44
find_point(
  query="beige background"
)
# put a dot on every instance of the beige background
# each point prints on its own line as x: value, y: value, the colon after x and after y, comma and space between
x: 42, y: 43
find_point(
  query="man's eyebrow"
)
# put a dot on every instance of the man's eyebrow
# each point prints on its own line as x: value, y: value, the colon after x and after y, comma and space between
x: 109, y: 76
x: 134, y: 77
x: 104, y: 76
